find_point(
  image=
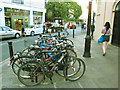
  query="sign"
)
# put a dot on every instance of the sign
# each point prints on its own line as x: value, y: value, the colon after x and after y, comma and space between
x: 0, y: 9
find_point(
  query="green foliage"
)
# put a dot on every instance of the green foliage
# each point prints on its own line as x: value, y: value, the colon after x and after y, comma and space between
x: 69, y: 11
x: 80, y: 20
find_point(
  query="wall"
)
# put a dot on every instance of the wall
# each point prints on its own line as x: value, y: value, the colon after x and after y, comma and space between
x: 6, y: 1
x: 105, y: 15
x: 2, y: 20
x: 34, y: 3
x: 99, y: 22
x: 38, y: 3
x: 29, y: 3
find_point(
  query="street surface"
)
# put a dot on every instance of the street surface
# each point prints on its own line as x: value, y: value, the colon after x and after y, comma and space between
x: 101, y: 72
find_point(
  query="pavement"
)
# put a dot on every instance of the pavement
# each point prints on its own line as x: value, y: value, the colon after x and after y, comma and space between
x: 101, y: 71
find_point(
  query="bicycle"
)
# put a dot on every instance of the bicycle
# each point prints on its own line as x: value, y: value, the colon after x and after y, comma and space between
x: 31, y: 52
x: 33, y: 68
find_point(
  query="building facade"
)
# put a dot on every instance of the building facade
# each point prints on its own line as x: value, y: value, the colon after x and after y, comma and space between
x: 108, y: 10
x: 15, y: 12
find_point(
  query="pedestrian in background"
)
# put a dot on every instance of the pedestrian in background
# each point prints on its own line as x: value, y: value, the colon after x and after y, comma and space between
x: 44, y: 26
x: 106, y: 32
x: 82, y: 27
x: 65, y: 28
x: 23, y: 29
x: 48, y: 25
x: 92, y: 30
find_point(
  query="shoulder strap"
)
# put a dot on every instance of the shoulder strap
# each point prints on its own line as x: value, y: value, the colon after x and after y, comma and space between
x: 105, y: 32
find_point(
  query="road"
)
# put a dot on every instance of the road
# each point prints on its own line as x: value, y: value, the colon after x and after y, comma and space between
x: 18, y: 45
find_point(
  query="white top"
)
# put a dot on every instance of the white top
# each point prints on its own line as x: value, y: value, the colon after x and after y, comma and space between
x: 65, y: 26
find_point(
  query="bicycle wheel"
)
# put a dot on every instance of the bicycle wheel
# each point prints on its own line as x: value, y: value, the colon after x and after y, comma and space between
x: 71, y: 52
x: 77, y: 75
x: 61, y: 65
x: 25, y: 51
x: 72, y: 64
x: 31, y: 74
x: 69, y: 42
x: 19, y: 61
x: 28, y: 52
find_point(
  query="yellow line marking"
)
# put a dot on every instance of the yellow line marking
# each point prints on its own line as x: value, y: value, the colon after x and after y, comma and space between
x: 4, y: 60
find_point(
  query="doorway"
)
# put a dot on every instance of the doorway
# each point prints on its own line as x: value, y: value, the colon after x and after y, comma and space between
x: 116, y: 27
x: 18, y: 24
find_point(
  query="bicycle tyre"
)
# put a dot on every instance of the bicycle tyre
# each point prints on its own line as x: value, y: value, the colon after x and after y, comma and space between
x: 74, y: 67
x: 79, y: 74
x: 71, y: 53
x: 31, y: 74
x: 69, y: 42
x: 18, y: 62
x: 25, y: 49
x: 28, y: 52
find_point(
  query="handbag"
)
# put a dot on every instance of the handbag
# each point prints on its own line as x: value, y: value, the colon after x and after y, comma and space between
x: 100, y: 40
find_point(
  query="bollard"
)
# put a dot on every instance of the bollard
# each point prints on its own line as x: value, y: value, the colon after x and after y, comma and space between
x: 10, y: 49
x: 73, y: 33
x: 66, y: 72
x: 58, y: 33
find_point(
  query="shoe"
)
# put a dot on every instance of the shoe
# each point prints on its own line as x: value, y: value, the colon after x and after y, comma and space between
x: 104, y: 54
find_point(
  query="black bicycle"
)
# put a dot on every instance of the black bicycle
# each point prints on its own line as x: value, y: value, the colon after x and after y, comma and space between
x: 34, y: 71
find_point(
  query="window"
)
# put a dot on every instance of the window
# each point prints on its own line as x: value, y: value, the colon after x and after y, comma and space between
x: 0, y: 29
x: 6, y: 28
x: 18, y: 1
x: 98, y: 7
x: 117, y: 7
x: 99, y: 11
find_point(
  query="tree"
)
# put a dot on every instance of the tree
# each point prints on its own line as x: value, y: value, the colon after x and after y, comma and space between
x: 64, y: 9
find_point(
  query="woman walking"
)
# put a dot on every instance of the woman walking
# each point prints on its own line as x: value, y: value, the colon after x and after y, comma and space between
x: 106, y: 32
x: 65, y: 29
x: 44, y: 26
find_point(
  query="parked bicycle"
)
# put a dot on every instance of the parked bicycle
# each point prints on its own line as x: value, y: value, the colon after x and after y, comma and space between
x: 38, y: 61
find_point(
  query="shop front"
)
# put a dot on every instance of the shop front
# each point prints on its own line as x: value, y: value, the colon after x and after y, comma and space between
x: 14, y: 18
